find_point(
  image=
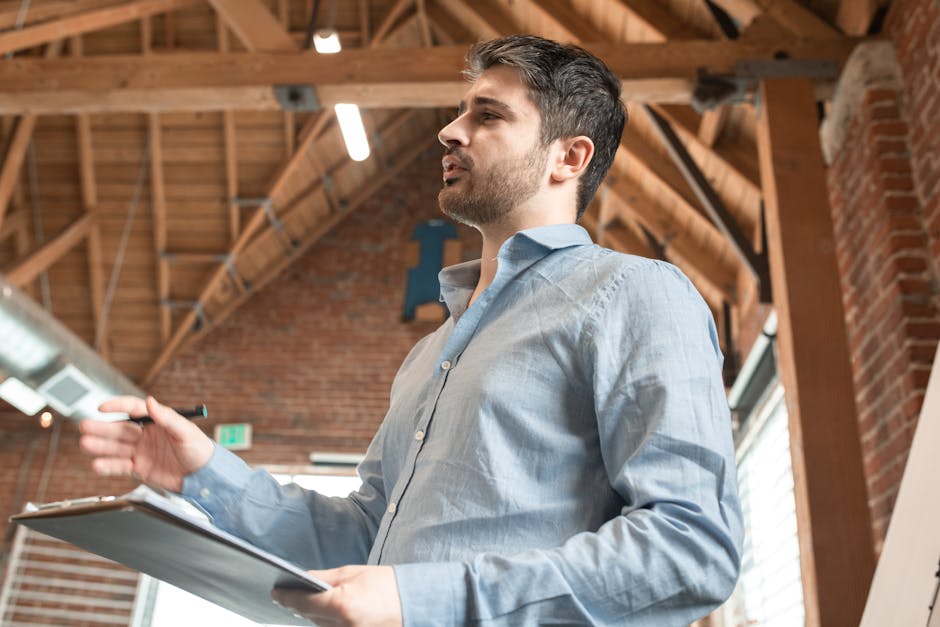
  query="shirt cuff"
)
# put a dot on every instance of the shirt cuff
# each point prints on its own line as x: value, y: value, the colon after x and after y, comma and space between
x: 219, y: 483
x: 432, y: 594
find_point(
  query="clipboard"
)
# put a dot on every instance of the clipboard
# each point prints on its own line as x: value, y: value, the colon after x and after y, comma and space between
x: 154, y: 534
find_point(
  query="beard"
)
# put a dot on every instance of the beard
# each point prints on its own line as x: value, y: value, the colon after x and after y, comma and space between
x: 486, y: 195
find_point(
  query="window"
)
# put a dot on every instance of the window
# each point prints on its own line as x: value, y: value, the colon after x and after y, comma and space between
x: 162, y: 605
x: 769, y: 592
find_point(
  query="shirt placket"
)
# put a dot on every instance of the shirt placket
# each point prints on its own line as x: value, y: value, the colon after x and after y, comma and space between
x: 463, y: 331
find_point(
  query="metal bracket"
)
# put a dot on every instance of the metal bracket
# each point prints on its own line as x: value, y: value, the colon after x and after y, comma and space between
x: 714, y: 90
x: 297, y: 97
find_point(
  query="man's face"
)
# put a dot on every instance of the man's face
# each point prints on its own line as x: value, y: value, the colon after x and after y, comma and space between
x: 494, y: 160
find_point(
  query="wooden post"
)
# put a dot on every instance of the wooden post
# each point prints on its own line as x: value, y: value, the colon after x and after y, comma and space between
x: 833, y: 520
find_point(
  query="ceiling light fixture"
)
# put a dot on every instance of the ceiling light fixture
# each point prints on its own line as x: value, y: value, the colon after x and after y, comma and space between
x: 354, y: 133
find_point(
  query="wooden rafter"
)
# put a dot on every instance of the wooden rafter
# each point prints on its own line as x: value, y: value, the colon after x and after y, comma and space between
x: 659, y: 21
x: 18, y: 144
x: 40, y: 12
x: 89, y: 191
x: 855, y: 16
x: 86, y: 22
x: 790, y: 14
x: 351, y: 204
x: 28, y: 269
x: 373, y: 78
x: 833, y: 525
x: 256, y: 28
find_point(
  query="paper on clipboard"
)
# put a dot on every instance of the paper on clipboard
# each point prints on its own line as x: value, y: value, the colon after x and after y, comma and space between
x: 146, y: 531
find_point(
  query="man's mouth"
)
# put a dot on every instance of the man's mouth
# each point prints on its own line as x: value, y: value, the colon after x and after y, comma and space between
x: 453, y: 169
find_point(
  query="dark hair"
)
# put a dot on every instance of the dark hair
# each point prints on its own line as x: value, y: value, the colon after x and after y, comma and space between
x: 576, y: 94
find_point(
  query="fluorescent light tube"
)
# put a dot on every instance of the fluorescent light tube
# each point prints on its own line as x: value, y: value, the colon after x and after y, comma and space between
x: 326, y: 41
x: 354, y: 133
x: 21, y: 396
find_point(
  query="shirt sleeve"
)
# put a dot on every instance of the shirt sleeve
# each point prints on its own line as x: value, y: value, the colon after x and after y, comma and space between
x: 306, y: 528
x: 673, y: 552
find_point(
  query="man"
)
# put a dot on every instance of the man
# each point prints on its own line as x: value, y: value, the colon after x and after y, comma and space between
x: 558, y: 451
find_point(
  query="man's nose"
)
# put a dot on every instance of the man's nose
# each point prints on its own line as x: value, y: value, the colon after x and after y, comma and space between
x: 454, y: 134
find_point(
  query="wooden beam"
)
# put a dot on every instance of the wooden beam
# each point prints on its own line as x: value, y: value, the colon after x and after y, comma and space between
x: 89, y: 190
x: 231, y: 148
x: 18, y: 144
x: 28, y: 269
x: 158, y: 211
x: 790, y: 14
x: 855, y: 16
x: 86, y: 22
x: 659, y: 21
x: 254, y: 25
x: 13, y: 159
x: 833, y: 522
x: 712, y: 124
x: 36, y: 12
x: 371, y: 77
x: 486, y: 19
x: 404, y: 159
x: 393, y: 15
x: 565, y: 17
x: 97, y: 284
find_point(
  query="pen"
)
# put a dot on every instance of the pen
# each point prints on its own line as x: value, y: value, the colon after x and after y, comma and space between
x: 195, y: 413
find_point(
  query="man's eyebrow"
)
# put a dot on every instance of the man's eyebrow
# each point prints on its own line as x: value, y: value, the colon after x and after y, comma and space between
x: 484, y: 101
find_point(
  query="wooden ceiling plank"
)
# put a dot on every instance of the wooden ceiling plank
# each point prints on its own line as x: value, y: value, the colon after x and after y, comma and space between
x: 86, y: 22
x: 13, y: 159
x: 364, y: 30
x: 97, y: 284
x: 659, y: 21
x: 231, y: 146
x: 254, y: 25
x: 854, y: 17
x: 18, y: 145
x: 158, y: 211
x: 790, y: 14
x: 15, y: 220
x: 389, y: 21
x: 89, y: 191
x: 565, y: 17
x: 38, y: 12
x: 712, y: 124
x: 485, y: 19
x: 833, y: 518
x: 26, y: 270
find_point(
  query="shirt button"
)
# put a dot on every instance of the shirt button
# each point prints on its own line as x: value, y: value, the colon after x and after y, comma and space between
x: 391, y: 508
x: 204, y: 493
x: 445, y: 365
x: 419, y: 435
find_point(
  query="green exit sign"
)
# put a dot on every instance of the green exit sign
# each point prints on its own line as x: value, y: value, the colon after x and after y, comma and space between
x: 234, y: 437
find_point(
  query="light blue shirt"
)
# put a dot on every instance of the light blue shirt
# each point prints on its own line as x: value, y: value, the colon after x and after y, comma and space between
x: 557, y: 453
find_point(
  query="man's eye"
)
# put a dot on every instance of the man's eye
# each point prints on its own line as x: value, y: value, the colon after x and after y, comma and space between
x: 486, y: 115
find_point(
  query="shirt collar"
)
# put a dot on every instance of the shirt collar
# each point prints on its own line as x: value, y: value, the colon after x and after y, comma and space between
x: 459, y: 281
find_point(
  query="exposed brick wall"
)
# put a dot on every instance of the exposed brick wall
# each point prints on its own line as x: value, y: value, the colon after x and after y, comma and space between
x: 883, y: 192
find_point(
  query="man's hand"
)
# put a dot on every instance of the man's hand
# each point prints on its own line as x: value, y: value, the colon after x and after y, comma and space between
x: 361, y: 596
x: 161, y: 454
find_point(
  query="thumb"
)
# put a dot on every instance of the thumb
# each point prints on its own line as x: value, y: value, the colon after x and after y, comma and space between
x: 334, y: 576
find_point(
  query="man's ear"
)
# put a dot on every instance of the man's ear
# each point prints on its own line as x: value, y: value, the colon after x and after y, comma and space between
x: 572, y: 158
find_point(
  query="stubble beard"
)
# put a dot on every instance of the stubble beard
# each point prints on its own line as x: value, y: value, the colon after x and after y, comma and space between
x: 487, y: 196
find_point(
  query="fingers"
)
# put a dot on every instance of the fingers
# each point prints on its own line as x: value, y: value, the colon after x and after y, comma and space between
x: 165, y: 417
x: 113, y: 466
x: 98, y: 446
x: 130, y: 405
